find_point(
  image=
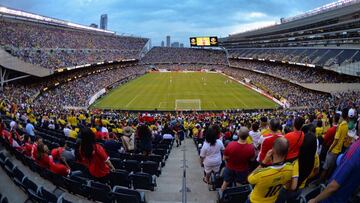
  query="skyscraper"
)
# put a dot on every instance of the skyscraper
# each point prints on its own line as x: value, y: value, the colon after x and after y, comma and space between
x: 175, y: 44
x: 181, y: 45
x: 162, y: 43
x: 168, y: 41
x: 103, y: 21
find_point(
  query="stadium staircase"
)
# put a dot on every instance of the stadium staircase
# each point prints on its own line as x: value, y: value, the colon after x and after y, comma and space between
x: 170, y: 183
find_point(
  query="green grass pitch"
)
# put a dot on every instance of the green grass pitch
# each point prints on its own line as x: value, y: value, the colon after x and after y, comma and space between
x: 167, y: 90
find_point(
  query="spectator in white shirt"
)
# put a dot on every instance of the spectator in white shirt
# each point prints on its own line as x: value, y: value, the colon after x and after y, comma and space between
x: 210, y: 153
x: 255, y: 134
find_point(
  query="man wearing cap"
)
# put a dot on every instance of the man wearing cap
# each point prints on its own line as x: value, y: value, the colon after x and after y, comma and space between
x: 128, y: 139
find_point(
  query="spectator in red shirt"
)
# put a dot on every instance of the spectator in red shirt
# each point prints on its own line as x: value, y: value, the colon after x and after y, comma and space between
x: 329, y: 137
x: 63, y: 155
x: 267, y: 141
x: 330, y: 133
x: 94, y: 156
x: 38, y: 141
x: 238, y: 155
x: 295, y: 139
x: 42, y: 156
x: 46, y: 161
x: 2, y: 126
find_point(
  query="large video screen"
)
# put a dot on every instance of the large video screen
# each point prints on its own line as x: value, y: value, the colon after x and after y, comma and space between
x: 204, y: 41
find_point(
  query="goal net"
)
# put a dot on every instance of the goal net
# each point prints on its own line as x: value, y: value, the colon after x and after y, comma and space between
x: 187, y: 104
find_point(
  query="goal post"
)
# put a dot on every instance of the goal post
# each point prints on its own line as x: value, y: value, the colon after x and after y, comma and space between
x: 187, y: 104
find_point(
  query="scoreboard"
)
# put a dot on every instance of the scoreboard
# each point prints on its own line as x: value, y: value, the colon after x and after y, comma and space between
x: 204, y: 41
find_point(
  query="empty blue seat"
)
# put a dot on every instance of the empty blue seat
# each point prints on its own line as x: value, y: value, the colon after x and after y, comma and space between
x: 235, y: 194
x: 125, y: 195
x: 143, y: 181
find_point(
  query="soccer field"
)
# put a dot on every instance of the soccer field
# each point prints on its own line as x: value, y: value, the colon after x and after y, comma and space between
x: 183, y: 91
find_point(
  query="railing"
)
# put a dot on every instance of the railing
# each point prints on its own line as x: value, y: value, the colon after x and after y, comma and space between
x: 184, y: 189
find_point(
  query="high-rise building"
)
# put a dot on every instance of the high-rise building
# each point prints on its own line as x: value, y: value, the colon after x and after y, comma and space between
x: 168, y: 41
x: 94, y: 25
x: 162, y: 43
x: 181, y: 45
x: 175, y: 44
x: 103, y: 21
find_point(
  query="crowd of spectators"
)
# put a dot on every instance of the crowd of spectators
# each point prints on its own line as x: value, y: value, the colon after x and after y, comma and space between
x: 294, y: 152
x: 321, y: 57
x: 300, y: 74
x: 76, y: 93
x: 57, y: 47
x: 288, y: 149
x: 83, y: 83
x: 185, y: 55
x: 294, y: 94
x: 54, y: 59
x: 188, y: 67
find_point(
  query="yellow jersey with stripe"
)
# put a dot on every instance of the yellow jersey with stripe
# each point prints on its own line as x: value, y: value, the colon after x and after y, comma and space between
x: 265, y: 131
x: 268, y: 182
x: 313, y: 172
x: 341, y: 133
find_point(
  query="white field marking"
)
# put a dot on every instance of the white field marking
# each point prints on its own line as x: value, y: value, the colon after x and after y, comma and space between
x: 189, y: 101
x: 131, y: 101
x: 211, y: 103
x: 240, y: 100
x: 160, y: 104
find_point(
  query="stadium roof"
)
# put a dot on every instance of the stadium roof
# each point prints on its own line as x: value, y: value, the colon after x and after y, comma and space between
x: 9, y: 12
x: 328, y: 11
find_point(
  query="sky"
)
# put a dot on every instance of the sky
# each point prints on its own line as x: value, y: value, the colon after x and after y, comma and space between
x: 181, y: 19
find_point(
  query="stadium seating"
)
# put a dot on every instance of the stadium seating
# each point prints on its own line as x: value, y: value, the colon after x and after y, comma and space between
x: 3, y: 199
x: 2, y: 158
x: 184, y: 55
x: 235, y: 194
x: 124, y: 195
x: 216, y: 180
x: 151, y: 167
x: 121, y: 178
x: 33, y: 190
x: 9, y: 167
x: 76, y: 186
x: 98, y: 191
x: 77, y: 47
x: 143, y: 181
x: 132, y: 166
x: 48, y: 196
x: 312, y: 193
x: 18, y: 178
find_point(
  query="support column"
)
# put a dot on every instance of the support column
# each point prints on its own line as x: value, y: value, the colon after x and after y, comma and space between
x: 3, y: 76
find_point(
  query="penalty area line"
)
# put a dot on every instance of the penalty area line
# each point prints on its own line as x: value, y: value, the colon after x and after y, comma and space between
x: 131, y: 101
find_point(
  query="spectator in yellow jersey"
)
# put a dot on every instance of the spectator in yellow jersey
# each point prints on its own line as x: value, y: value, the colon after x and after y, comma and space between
x: 72, y: 120
x: 264, y: 126
x: 195, y: 131
x: 268, y: 180
x: 337, y: 145
x: 319, y: 130
x: 305, y: 166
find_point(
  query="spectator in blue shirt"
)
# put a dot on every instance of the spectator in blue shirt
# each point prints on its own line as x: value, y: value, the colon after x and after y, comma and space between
x: 345, y: 180
x: 30, y: 130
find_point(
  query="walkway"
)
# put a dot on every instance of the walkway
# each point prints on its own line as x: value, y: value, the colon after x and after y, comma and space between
x: 170, y: 181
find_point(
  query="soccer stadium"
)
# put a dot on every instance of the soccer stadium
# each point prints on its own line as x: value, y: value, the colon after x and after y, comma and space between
x: 265, y: 114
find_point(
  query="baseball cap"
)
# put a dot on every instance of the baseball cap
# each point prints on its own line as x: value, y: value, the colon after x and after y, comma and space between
x: 351, y: 113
